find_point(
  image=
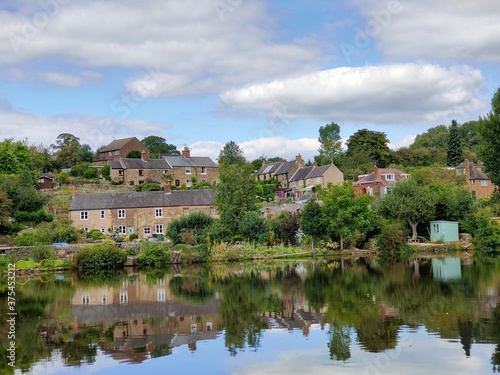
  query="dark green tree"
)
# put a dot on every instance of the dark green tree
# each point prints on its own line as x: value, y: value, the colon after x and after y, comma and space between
x: 489, y: 129
x: 252, y: 226
x: 63, y: 140
x: 436, y: 137
x: 330, y: 143
x: 454, y: 152
x: 67, y: 156
x: 5, y: 209
x: 158, y: 145
x: 134, y: 154
x: 85, y: 154
x: 232, y: 154
x: 14, y: 157
x: 373, y: 143
x: 311, y: 220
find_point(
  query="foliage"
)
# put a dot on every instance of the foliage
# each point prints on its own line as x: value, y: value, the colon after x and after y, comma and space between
x: 14, y: 157
x: 158, y: 145
x: 133, y: 236
x: 63, y: 177
x: 134, y: 154
x: 347, y: 217
x: 100, y: 257
x: 392, y: 237
x: 234, y: 194
x: 311, y: 220
x: 452, y: 202
x: 265, y: 189
x: 372, y: 143
x: 47, y: 233
x: 67, y: 156
x: 85, y: 154
x: 330, y: 143
x: 285, y: 227
x: 408, y: 201
x: 454, y: 152
x: 63, y: 140
x: 5, y: 209
x: 486, y: 233
x: 96, y: 234
x: 42, y: 252
x: 154, y: 255
x: 191, y: 289
x: 33, y: 217
x: 252, y: 226
x: 489, y: 129
x: 231, y: 153
x: 150, y: 186
x: 217, y: 233
x: 84, y: 170
x: 418, y: 157
x: 106, y: 171
x: 193, y: 224
x: 436, y: 137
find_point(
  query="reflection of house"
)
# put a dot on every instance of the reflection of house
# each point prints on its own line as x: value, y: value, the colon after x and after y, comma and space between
x: 119, y: 148
x: 379, y: 182
x: 446, y: 269
x: 477, y: 181
x: 185, y: 167
x: 139, y: 171
x: 46, y: 181
x: 144, y: 213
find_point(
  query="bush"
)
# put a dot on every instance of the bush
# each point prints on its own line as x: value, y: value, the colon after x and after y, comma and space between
x: 154, y: 255
x: 392, y: 237
x: 133, y: 236
x: 217, y: 233
x: 63, y: 178
x: 100, y: 257
x: 106, y: 172
x: 43, y: 252
x: 150, y: 186
x: 33, y: 217
x: 486, y: 238
x: 189, y: 228
x: 28, y: 239
x: 96, y: 234
x: 90, y: 173
x: 252, y: 226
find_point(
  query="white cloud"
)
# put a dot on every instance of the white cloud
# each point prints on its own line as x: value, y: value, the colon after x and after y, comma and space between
x: 56, y: 78
x: 388, y: 94
x: 193, y: 47
x: 461, y: 30
x: 402, y: 142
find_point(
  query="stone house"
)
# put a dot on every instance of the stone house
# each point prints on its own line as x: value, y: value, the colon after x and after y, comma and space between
x: 119, y: 148
x: 379, y: 182
x: 477, y: 181
x: 304, y: 179
x: 281, y: 171
x: 185, y: 167
x: 144, y: 213
x: 139, y: 171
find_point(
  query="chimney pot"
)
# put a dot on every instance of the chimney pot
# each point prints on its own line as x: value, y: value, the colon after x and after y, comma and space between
x: 73, y: 191
x: 167, y: 187
x: 186, y: 152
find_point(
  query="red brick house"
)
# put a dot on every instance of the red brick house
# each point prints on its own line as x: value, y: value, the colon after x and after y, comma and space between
x: 379, y: 182
x: 119, y: 148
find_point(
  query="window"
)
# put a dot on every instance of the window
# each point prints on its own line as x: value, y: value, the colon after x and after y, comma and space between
x: 160, y: 296
x: 84, y: 215
x: 301, y: 183
x: 177, y: 183
x: 131, y: 183
x: 318, y: 179
x: 158, y: 212
x: 85, y: 299
x: 193, y: 328
x: 117, y: 152
x: 159, y: 228
x: 185, y: 211
x: 121, y: 214
x: 212, y: 211
x: 369, y: 191
x: 460, y: 171
x: 122, y: 229
x: 188, y: 170
x: 110, y: 153
x: 473, y: 182
x: 104, y: 299
x: 203, y: 170
x: 389, y: 177
x: 103, y: 214
x: 404, y: 175
x: 141, y: 182
x: 103, y: 230
x: 120, y: 172
x: 123, y: 298
x: 209, y: 326
x: 188, y: 183
x: 484, y: 182
x: 141, y: 172
x: 147, y: 230
x: 160, y: 282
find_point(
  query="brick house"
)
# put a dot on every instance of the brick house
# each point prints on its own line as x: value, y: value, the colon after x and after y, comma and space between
x: 119, y: 148
x: 144, y: 213
x: 304, y: 179
x: 139, y: 171
x: 184, y: 167
x: 477, y: 181
x: 379, y: 182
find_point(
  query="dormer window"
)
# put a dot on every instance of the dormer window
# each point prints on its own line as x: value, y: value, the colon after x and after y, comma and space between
x: 404, y: 175
x: 389, y: 177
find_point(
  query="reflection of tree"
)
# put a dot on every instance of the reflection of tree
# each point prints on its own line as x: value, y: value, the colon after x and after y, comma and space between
x: 83, y: 348
x: 465, y: 329
x: 161, y: 351
x: 340, y: 342
x: 376, y: 335
x: 191, y: 289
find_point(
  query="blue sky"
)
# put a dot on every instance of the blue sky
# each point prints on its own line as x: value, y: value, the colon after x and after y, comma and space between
x: 265, y: 74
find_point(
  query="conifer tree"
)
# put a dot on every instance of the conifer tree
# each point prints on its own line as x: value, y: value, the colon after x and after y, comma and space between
x: 455, y: 153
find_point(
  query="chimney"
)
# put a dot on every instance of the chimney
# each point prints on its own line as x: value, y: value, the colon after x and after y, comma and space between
x: 263, y: 162
x: 143, y: 155
x: 479, y: 166
x: 283, y: 160
x: 315, y: 163
x: 298, y: 160
x: 166, y: 187
x: 467, y: 169
x: 186, y: 152
x: 73, y: 191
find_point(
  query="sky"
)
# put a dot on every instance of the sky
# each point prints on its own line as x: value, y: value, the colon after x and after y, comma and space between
x: 266, y: 74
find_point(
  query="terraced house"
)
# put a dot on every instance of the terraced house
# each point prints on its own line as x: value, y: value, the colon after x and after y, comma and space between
x: 144, y: 213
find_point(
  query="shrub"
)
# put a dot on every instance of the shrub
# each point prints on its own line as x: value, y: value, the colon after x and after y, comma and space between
x: 392, y: 237
x: 150, y: 186
x: 41, y: 252
x: 133, y: 236
x: 154, y: 255
x: 28, y: 239
x: 96, y: 234
x: 217, y: 233
x: 100, y: 257
x: 33, y: 217
x: 90, y: 173
x: 189, y: 228
x: 63, y: 178
x: 486, y: 238
x: 252, y: 226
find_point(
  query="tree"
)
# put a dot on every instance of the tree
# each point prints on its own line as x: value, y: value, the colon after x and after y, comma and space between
x: 235, y: 193
x: 330, y: 143
x: 489, y: 129
x: 232, y: 154
x: 252, y: 226
x: 5, y: 209
x: 410, y: 202
x: 436, y: 137
x: 63, y: 140
x: 14, y: 157
x: 85, y: 154
x: 68, y: 155
x: 347, y: 216
x: 286, y: 226
x: 373, y: 143
x: 134, y: 154
x: 311, y: 221
x: 454, y: 152
x: 158, y: 145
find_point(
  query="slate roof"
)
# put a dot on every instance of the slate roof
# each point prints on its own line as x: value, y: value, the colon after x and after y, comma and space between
x: 117, y: 144
x: 474, y: 173
x: 318, y: 171
x: 193, y: 161
x: 203, y: 197
x: 131, y: 163
x: 285, y: 167
x: 301, y: 174
x: 46, y: 175
x: 269, y: 168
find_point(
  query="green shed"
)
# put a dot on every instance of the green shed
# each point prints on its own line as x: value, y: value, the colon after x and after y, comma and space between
x: 446, y: 231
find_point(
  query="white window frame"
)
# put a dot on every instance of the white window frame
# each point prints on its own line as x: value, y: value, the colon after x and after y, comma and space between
x: 185, y: 211
x: 158, y: 212
x: 160, y: 295
x: 484, y: 182
x: 85, y: 299
x: 103, y: 214
x: 123, y: 298
x: 213, y: 211
x: 203, y: 170
x: 84, y: 215
x: 188, y: 170
x: 389, y: 177
x: 122, y: 213
x: 159, y: 228
x: 104, y: 299
x: 147, y: 230
x: 103, y: 230
x: 122, y: 229
x: 117, y: 152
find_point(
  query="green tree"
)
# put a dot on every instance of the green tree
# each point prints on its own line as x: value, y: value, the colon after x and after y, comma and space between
x: 348, y: 218
x: 252, y: 226
x: 286, y: 226
x: 14, y: 157
x: 232, y: 154
x: 454, y: 152
x: 134, y: 154
x: 235, y: 193
x: 489, y: 129
x: 63, y: 140
x: 189, y: 228
x: 373, y: 143
x: 42, y: 160
x: 85, y: 154
x: 410, y: 202
x: 68, y: 155
x: 5, y: 209
x: 311, y: 221
x: 158, y: 145
x: 330, y: 143
x: 436, y: 137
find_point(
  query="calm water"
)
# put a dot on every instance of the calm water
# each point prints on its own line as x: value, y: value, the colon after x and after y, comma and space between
x: 343, y: 317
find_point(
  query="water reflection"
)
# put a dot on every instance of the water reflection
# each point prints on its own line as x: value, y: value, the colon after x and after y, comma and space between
x: 361, y: 306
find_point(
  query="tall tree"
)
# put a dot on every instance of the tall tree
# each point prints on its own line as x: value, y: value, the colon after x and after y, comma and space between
x: 311, y: 221
x: 454, y: 152
x: 5, y: 209
x: 435, y: 137
x: 330, y: 144
x: 68, y: 155
x: 158, y: 145
x: 410, y: 202
x: 232, y: 154
x: 489, y: 129
x: 14, y: 157
x: 373, y: 143
x: 235, y: 193
x: 63, y: 140
x: 85, y: 154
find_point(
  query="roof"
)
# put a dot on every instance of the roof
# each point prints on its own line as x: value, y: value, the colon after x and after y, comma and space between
x: 203, y: 197
x: 269, y: 168
x: 193, y: 161
x: 46, y: 175
x: 319, y: 171
x: 474, y: 172
x: 376, y: 176
x: 131, y: 163
x: 117, y: 144
x: 285, y: 167
x: 301, y: 174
